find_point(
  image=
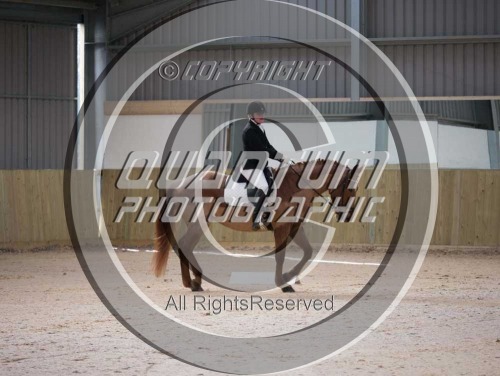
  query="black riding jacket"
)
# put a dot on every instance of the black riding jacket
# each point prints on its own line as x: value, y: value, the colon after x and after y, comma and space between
x: 254, y: 139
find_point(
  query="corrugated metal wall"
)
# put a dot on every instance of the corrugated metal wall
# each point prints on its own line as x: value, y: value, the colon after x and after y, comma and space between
x: 448, y: 70
x: 13, y: 89
x: 283, y: 20
x: 444, y: 48
x: 37, y: 94
x: 38, y: 65
x: 435, y: 70
x: 430, y: 18
x: 334, y: 81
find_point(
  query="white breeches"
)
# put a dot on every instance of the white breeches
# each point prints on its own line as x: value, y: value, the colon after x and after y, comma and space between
x: 256, y: 178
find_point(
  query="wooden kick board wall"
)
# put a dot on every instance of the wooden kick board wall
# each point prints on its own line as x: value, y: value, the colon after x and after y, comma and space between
x: 32, y: 211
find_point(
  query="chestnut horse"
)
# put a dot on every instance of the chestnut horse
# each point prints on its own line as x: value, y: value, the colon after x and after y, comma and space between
x: 283, y: 231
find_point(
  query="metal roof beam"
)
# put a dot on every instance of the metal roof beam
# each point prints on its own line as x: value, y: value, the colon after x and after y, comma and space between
x: 79, y: 4
x: 137, y: 19
x: 325, y: 43
x: 40, y: 14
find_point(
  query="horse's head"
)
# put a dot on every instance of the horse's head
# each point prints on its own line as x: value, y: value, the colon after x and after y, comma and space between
x: 343, y: 192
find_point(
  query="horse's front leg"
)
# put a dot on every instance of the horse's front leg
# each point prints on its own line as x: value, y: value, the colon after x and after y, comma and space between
x: 299, y: 237
x: 281, y: 234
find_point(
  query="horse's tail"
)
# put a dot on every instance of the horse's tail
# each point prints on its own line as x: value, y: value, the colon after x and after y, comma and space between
x: 163, y: 247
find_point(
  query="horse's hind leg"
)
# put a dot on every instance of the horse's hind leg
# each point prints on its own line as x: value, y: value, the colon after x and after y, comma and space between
x: 186, y: 246
x: 196, y: 282
x: 193, y: 284
x: 186, y: 277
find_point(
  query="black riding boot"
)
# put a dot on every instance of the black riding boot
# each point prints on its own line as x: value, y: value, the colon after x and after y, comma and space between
x: 258, y: 199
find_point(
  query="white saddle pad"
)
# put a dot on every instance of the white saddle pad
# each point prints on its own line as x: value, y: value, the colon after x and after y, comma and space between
x: 235, y: 193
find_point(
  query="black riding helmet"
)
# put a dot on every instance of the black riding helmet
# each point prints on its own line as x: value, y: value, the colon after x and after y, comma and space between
x: 256, y: 107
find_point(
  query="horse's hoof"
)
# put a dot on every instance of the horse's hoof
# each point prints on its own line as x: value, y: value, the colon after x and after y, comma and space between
x: 195, y: 286
x: 287, y: 288
x: 297, y: 282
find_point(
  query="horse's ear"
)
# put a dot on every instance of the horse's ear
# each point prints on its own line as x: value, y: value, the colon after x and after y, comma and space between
x: 353, y: 171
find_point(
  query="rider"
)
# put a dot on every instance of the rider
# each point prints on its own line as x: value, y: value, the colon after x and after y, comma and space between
x: 254, y: 139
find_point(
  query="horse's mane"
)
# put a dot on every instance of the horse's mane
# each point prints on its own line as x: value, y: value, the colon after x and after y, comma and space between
x: 294, y: 171
x: 300, y: 166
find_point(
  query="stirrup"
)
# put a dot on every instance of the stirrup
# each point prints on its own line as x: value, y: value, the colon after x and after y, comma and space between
x: 262, y: 226
x: 265, y: 221
x: 259, y: 226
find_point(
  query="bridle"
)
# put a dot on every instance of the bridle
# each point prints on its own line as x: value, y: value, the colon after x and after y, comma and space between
x: 345, y: 184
